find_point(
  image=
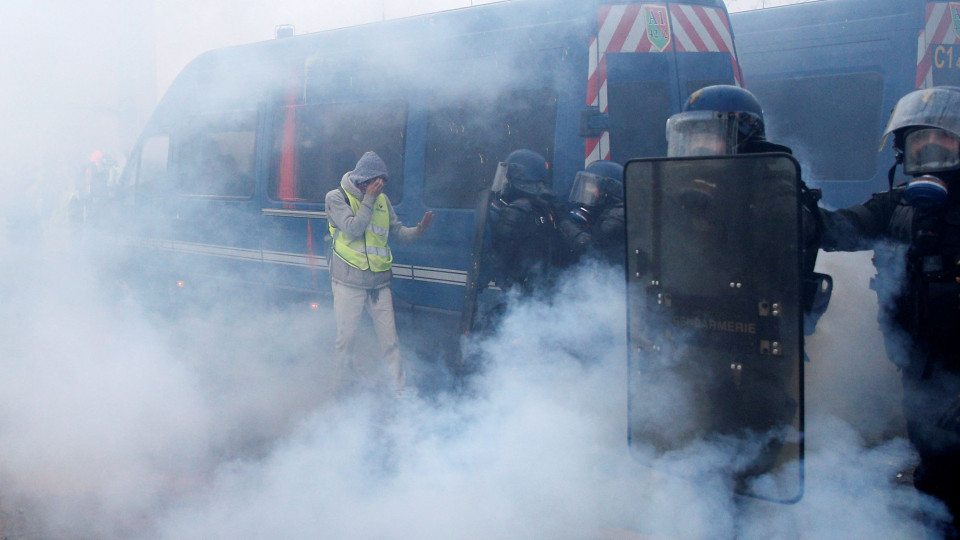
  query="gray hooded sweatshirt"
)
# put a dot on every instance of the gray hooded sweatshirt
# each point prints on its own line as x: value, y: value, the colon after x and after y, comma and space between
x: 353, y: 226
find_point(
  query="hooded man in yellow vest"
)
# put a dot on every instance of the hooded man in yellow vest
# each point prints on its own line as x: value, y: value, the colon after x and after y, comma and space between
x: 361, y: 221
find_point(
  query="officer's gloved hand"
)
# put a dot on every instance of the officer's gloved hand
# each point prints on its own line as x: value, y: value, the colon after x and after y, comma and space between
x: 493, y: 211
x: 816, y: 293
x: 610, y: 223
x: 811, y: 219
x: 570, y: 228
x: 574, y: 235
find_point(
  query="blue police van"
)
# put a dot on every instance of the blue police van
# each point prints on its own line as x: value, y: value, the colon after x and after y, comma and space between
x: 226, y: 183
x: 829, y: 72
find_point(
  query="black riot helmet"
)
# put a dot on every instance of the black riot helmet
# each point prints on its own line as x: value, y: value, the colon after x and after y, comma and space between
x: 926, y: 130
x: 716, y: 120
x: 600, y: 184
x: 523, y: 172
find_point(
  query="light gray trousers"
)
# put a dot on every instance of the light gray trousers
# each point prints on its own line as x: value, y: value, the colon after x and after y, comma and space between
x: 348, y: 305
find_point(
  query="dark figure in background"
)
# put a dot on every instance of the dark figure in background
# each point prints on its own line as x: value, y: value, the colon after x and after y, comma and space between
x: 724, y: 120
x: 595, y: 223
x: 94, y: 184
x: 914, y: 229
x: 522, y: 222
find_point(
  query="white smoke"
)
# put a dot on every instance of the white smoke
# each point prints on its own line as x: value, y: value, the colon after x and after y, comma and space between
x: 108, y: 411
x: 118, y: 424
x: 540, y: 452
x: 848, y: 367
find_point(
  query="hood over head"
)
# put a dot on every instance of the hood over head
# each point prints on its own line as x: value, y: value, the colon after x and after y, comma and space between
x: 369, y: 167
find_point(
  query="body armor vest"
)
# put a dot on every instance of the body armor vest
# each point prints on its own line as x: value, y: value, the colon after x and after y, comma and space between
x: 919, y: 271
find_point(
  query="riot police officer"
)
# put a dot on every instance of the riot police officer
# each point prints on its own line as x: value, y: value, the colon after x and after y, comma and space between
x: 595, y: 222
x: 725, y: 120
x: 717, y: 239
x: 522, y: 221
x: 719, y: 120
x: 914, y: 229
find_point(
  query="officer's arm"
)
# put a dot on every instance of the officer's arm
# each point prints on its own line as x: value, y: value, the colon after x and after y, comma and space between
x: 510, y: 221
x: 341, y: 215
x: 855, y: 228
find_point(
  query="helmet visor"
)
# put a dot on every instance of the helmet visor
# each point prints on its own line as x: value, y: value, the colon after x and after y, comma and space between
x: 500, y: 178
x: 929, y: 150
x: 588, y: 189
x: 701, y: 133
x: 932, y: 107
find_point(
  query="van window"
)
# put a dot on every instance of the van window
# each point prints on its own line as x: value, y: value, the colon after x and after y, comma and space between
x: 466, y: 139
x: 216, y: 155
x: 314, y: 145
x: 840, y: 142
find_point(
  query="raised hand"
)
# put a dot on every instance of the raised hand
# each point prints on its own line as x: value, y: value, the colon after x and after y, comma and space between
x: 426, y: 222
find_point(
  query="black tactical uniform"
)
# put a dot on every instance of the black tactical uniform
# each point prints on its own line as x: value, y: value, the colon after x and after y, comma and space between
x: 915, y: 232
x: 523, y: 222
x: 595, y: 223
x: 722, y: 119
x: 715, y: 231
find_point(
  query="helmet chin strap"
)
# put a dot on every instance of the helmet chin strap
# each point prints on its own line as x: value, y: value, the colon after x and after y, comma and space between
x: 893, y: 169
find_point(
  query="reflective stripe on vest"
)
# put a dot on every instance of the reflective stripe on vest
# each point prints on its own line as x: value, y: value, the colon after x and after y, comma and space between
x: 370, y: 252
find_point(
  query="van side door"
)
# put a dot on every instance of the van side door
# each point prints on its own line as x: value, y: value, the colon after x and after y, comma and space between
x: 645, y: 61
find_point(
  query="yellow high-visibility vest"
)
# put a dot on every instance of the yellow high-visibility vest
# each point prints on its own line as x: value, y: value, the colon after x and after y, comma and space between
x: 369, y: 252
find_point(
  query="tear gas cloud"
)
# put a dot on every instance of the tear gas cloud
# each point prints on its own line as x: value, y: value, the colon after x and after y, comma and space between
x: 121, y: 422
x: 746, y: 5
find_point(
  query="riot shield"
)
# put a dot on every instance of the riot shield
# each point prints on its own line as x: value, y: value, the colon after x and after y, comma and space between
x: 715, y: 319
x: 478, y: 261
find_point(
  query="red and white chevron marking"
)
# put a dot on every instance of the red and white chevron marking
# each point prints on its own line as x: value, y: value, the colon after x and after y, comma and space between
x: 597, y: 97
x: 701, y: 29
x: 624, y: 29
x: 939, y: 30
